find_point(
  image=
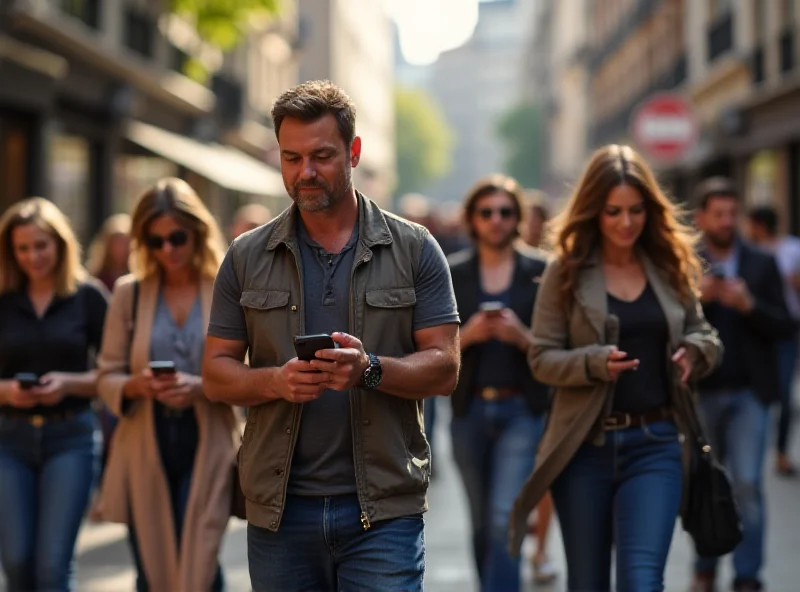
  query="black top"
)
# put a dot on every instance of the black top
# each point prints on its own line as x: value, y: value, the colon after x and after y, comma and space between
x: 61, y: 341
x: 528, y: 268
x: 496, y: 364
x: 644, y: 335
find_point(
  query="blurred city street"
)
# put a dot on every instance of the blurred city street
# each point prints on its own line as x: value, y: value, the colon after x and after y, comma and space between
x: 104, y: 563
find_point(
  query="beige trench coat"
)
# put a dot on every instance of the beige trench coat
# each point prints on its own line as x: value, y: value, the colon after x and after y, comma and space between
x: 134, y: 485
x: 570, y: 352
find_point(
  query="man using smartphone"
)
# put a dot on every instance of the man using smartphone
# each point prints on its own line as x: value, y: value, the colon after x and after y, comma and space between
x: 334, y: 462
x: 743, y: 299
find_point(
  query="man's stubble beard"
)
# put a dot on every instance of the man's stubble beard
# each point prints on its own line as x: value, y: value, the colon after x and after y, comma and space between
x: 330, y: 196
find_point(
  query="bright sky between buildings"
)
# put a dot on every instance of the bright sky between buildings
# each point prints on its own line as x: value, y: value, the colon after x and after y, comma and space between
x: 429, y: 27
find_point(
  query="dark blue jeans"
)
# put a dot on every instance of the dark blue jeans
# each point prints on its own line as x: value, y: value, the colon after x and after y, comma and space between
x: 494, y: 446
x: 625, y: 494
x: 322, y: 546
x: 46, y: 478
x: 737, y: 424
x: 787, y: 364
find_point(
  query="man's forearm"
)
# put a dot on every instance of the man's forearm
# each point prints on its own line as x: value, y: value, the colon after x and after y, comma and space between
x: 226, y: 380
x: 421, y: 375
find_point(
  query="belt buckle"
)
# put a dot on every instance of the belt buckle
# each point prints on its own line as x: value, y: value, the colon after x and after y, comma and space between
x: 612, y: 424
x: 490, y: 393
x: 36, y: 421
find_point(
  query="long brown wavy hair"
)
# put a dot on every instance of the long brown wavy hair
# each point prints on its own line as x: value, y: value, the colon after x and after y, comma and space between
x: 667, y: 241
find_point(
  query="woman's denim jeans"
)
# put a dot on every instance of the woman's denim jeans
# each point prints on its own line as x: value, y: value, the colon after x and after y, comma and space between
x: 494, y: 447
x: 626, y: 494
x: 46, y: 479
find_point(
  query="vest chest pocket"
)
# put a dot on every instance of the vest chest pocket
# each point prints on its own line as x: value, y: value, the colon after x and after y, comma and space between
x: 389, y: 320
x: 270, y: 325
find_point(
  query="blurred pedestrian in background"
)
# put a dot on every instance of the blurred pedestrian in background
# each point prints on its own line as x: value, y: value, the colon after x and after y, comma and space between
x: 743, y: 297
x: 249, y: 217
x: 535, y: 218
x: 498, y: 408
x: 51, y: 317
x: 169, y: 475
x: 108, y: 261
x: 617, y: 327
x: 110, y: 250
x: 763, y: 231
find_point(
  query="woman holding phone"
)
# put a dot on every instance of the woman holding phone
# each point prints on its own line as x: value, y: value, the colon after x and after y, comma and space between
x: 617, y: 329
x: 167, y: 474
x: 51, y: 322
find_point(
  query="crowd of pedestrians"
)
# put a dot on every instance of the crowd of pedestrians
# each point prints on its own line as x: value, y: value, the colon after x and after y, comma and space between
x: 575, y: 349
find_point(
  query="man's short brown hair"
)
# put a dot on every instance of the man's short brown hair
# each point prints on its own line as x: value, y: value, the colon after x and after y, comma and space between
x: 311, y: 100
x: 713, y: 187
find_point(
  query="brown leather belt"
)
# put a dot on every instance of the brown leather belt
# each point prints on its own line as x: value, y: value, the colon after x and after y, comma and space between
x: 491, y: 393
x: 37, y: 420
x: 620, y: 421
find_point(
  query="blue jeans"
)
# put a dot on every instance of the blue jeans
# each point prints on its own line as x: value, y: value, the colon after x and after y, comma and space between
x: 737, y: 424
x: 322, y: 546
x: 787, y: 364
x: 46, y: 479
x: 494, y: 446
x: 626, y: 494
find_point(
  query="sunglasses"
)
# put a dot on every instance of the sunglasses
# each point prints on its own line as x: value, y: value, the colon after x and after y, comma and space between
x: 487, y: 213
x: 177, y: 238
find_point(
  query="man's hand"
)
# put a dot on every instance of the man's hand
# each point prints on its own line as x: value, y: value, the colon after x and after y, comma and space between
x: 478, y: 329
x: 507, y: 327
x: 709, y: 288
x: 52, y: 390
x: 298, y: 382
x: 617, y: 363
x: 344, y: 365
x: 734, y: 294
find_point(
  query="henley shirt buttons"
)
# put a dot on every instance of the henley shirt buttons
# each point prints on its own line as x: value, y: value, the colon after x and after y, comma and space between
x: 288, y: 430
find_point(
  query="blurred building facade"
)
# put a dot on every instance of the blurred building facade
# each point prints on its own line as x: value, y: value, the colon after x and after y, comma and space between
x: 94, y: 106
x: 735, y: 61
x: 475, y: 84
x: 351, y: 43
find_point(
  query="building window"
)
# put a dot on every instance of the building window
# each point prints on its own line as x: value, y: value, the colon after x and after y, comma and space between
x: 177, y: 59
x: 139, y: 32
x: 87, y: 11
x: 720, y: 36
x: 717, y: 8
x: 70, y: 177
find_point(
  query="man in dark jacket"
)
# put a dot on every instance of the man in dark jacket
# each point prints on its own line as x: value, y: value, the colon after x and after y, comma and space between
x: 498, y: 408
x: 743, y: 298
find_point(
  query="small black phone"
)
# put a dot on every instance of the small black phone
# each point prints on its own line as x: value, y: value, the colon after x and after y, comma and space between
x: 308, y: 345
x: 27, y: 380
x: 162, y: 368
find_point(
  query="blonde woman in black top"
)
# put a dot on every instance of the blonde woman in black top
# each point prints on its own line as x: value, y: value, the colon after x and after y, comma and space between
x: 51, y: 320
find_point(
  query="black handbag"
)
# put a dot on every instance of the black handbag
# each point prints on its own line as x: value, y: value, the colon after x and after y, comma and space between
x: 711, y: 515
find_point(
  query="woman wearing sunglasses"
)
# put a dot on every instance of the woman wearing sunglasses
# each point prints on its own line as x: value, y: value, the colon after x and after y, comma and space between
x: 173, y: 449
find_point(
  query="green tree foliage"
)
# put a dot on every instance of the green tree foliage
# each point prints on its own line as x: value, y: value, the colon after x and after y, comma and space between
x: 423, y: 141
x: 521, y: 129
x: 221, y: 23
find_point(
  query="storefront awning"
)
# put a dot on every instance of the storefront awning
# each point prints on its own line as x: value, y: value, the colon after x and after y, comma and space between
x: 228, y: 167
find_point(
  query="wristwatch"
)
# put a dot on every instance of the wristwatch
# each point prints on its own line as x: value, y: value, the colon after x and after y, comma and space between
x: 373, y: 374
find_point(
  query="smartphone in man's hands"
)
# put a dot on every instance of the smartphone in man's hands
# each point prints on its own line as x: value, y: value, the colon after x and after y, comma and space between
x: 162, y: 368
x: 306, y: 346
x: 27, y: 380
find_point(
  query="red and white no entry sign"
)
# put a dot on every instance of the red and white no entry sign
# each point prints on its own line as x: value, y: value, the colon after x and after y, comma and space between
x: 664, y: 127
